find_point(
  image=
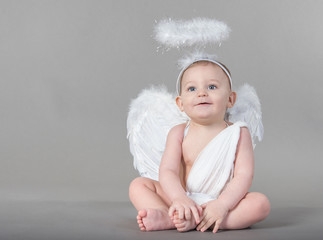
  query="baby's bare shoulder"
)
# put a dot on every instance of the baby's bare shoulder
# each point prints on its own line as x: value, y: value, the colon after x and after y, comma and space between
x: 179, y: 127
x: 245, y: 139
x: 244, y: 133
x: 177, y: 131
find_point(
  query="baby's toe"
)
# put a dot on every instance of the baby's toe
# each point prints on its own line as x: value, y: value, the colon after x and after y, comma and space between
x: 182, y: 229
x: 142, y: 213
x: 177, y: 221
x: 142, y: 227
x: 180, y: 225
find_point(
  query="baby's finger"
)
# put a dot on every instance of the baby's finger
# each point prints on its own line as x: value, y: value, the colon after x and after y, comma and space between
x: 196, y: 215
x: 216, y: 226
x: 187, y: 214
x: 204, y: 219
x: 201, y: 224
x: 171, y: 211
x: 200, y: 209
x: 207, y: 225
x: 180, y: 211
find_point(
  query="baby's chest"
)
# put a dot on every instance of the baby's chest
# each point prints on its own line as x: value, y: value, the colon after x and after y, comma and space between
x: 191, y: 150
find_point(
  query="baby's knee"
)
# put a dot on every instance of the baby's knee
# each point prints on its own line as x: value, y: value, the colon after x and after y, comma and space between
x: 262, y: 205
x: 139, y: 183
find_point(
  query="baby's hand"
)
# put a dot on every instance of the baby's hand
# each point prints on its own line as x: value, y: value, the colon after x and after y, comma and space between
x: 213, y: 212
x: 184, y: 206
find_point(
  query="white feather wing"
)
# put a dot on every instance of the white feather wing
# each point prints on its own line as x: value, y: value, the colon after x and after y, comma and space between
x: 248, y: 109
x: 152, y: 114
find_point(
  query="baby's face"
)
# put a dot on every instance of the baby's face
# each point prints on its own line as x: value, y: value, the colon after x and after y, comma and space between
x: 205, y: 92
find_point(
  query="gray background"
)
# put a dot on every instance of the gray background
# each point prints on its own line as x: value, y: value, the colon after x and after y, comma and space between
x: 69, y: 69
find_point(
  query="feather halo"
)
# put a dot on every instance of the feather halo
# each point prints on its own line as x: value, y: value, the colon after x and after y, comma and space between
x: 197, y: 31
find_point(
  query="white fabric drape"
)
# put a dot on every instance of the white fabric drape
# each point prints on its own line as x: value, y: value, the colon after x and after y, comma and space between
x: 213, y: 168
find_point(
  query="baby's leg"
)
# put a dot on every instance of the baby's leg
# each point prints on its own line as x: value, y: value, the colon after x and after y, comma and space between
x: 253, y: 208
x: 152, y: 204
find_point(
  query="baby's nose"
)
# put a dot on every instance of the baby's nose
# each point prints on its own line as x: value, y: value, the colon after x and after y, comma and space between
x: 202, y: 92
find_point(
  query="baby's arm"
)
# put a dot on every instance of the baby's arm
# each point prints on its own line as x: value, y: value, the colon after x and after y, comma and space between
x: 169, y: 177
x: 215, y: 211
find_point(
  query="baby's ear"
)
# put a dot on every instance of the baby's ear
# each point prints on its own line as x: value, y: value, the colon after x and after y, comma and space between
x: 232, y: 99
x: 179, y: 103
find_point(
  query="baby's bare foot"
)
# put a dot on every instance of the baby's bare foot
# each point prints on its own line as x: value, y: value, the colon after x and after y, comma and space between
x: 184, y: 225
x: 154, y: 219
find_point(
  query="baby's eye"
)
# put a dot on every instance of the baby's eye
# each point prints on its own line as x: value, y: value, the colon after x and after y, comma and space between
x: 191, y: 89
x: 212, y: 87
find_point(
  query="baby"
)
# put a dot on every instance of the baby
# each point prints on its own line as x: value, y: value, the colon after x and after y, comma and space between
x: 190, y: 194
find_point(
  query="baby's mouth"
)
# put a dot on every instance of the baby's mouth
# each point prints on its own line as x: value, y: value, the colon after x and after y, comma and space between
x: 204, y: 103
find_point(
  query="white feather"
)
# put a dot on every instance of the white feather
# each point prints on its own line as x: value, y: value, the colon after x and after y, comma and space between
x: 197, y: 31
x: 187, y: 60
x: 248, y: 109
x: 152, y: 114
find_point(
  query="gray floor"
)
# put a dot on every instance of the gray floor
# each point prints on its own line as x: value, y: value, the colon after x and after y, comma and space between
x: 96, y: 220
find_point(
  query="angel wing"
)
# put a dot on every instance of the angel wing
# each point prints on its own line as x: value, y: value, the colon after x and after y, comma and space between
x: 152, y: 114
x: 248, y: 109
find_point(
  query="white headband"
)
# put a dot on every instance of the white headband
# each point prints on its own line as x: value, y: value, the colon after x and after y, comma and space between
x: 178, y: 83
